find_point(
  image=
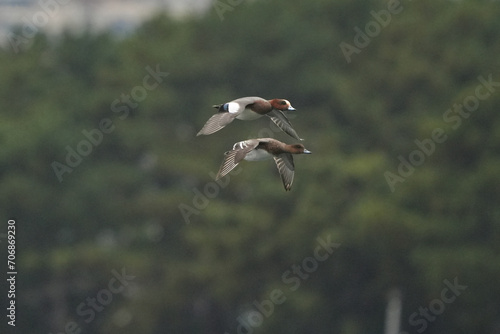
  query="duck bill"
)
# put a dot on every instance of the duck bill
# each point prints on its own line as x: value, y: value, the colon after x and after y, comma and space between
x: 291, y: 108
x: 307, y: 152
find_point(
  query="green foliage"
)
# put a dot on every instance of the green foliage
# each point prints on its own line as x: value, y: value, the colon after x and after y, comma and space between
x: 119, y: 207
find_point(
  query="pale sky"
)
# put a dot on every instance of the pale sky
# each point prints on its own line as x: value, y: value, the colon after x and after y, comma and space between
x: 119, y: 15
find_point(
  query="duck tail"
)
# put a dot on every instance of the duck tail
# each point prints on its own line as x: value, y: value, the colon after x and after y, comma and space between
x: 222, y: 107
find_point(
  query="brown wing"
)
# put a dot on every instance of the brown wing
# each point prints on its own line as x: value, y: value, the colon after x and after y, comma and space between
x: 279, y: 118
x: 216, y: 122
x: 285, y: 165
x: 233, y: 158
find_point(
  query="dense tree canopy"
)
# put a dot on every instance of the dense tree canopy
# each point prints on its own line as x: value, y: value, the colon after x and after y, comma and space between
x: 121, y: 227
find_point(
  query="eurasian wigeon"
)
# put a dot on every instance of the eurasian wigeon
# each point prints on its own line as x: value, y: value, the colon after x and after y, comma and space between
x: 250, y: 108
x: 262, y: 149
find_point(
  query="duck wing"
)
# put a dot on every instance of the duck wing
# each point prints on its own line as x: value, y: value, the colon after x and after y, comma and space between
x: 233, y: 158
x: 279, y: 118
x: 216, y: 122
x: 285, y: 165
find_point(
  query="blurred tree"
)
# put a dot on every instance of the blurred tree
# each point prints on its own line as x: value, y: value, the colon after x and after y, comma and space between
x: 118, y: 207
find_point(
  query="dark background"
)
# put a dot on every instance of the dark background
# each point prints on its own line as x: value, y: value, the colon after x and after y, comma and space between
x: 130, y: 202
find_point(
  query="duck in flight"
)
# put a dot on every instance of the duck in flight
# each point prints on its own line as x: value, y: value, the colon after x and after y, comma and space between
x: 250, y: 108
x: 262, y: 149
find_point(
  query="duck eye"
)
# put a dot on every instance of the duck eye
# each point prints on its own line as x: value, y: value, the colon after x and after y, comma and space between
x: 283, y: 102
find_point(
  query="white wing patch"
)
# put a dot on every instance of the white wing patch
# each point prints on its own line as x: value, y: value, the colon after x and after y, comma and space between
x: 241, y: 145
x: 233, y: 107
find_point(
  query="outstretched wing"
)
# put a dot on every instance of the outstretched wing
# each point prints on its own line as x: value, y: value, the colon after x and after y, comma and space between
x: 279, y: 118
x: 216, y: 122
x: 284, y: 162
x: 233, y: 158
